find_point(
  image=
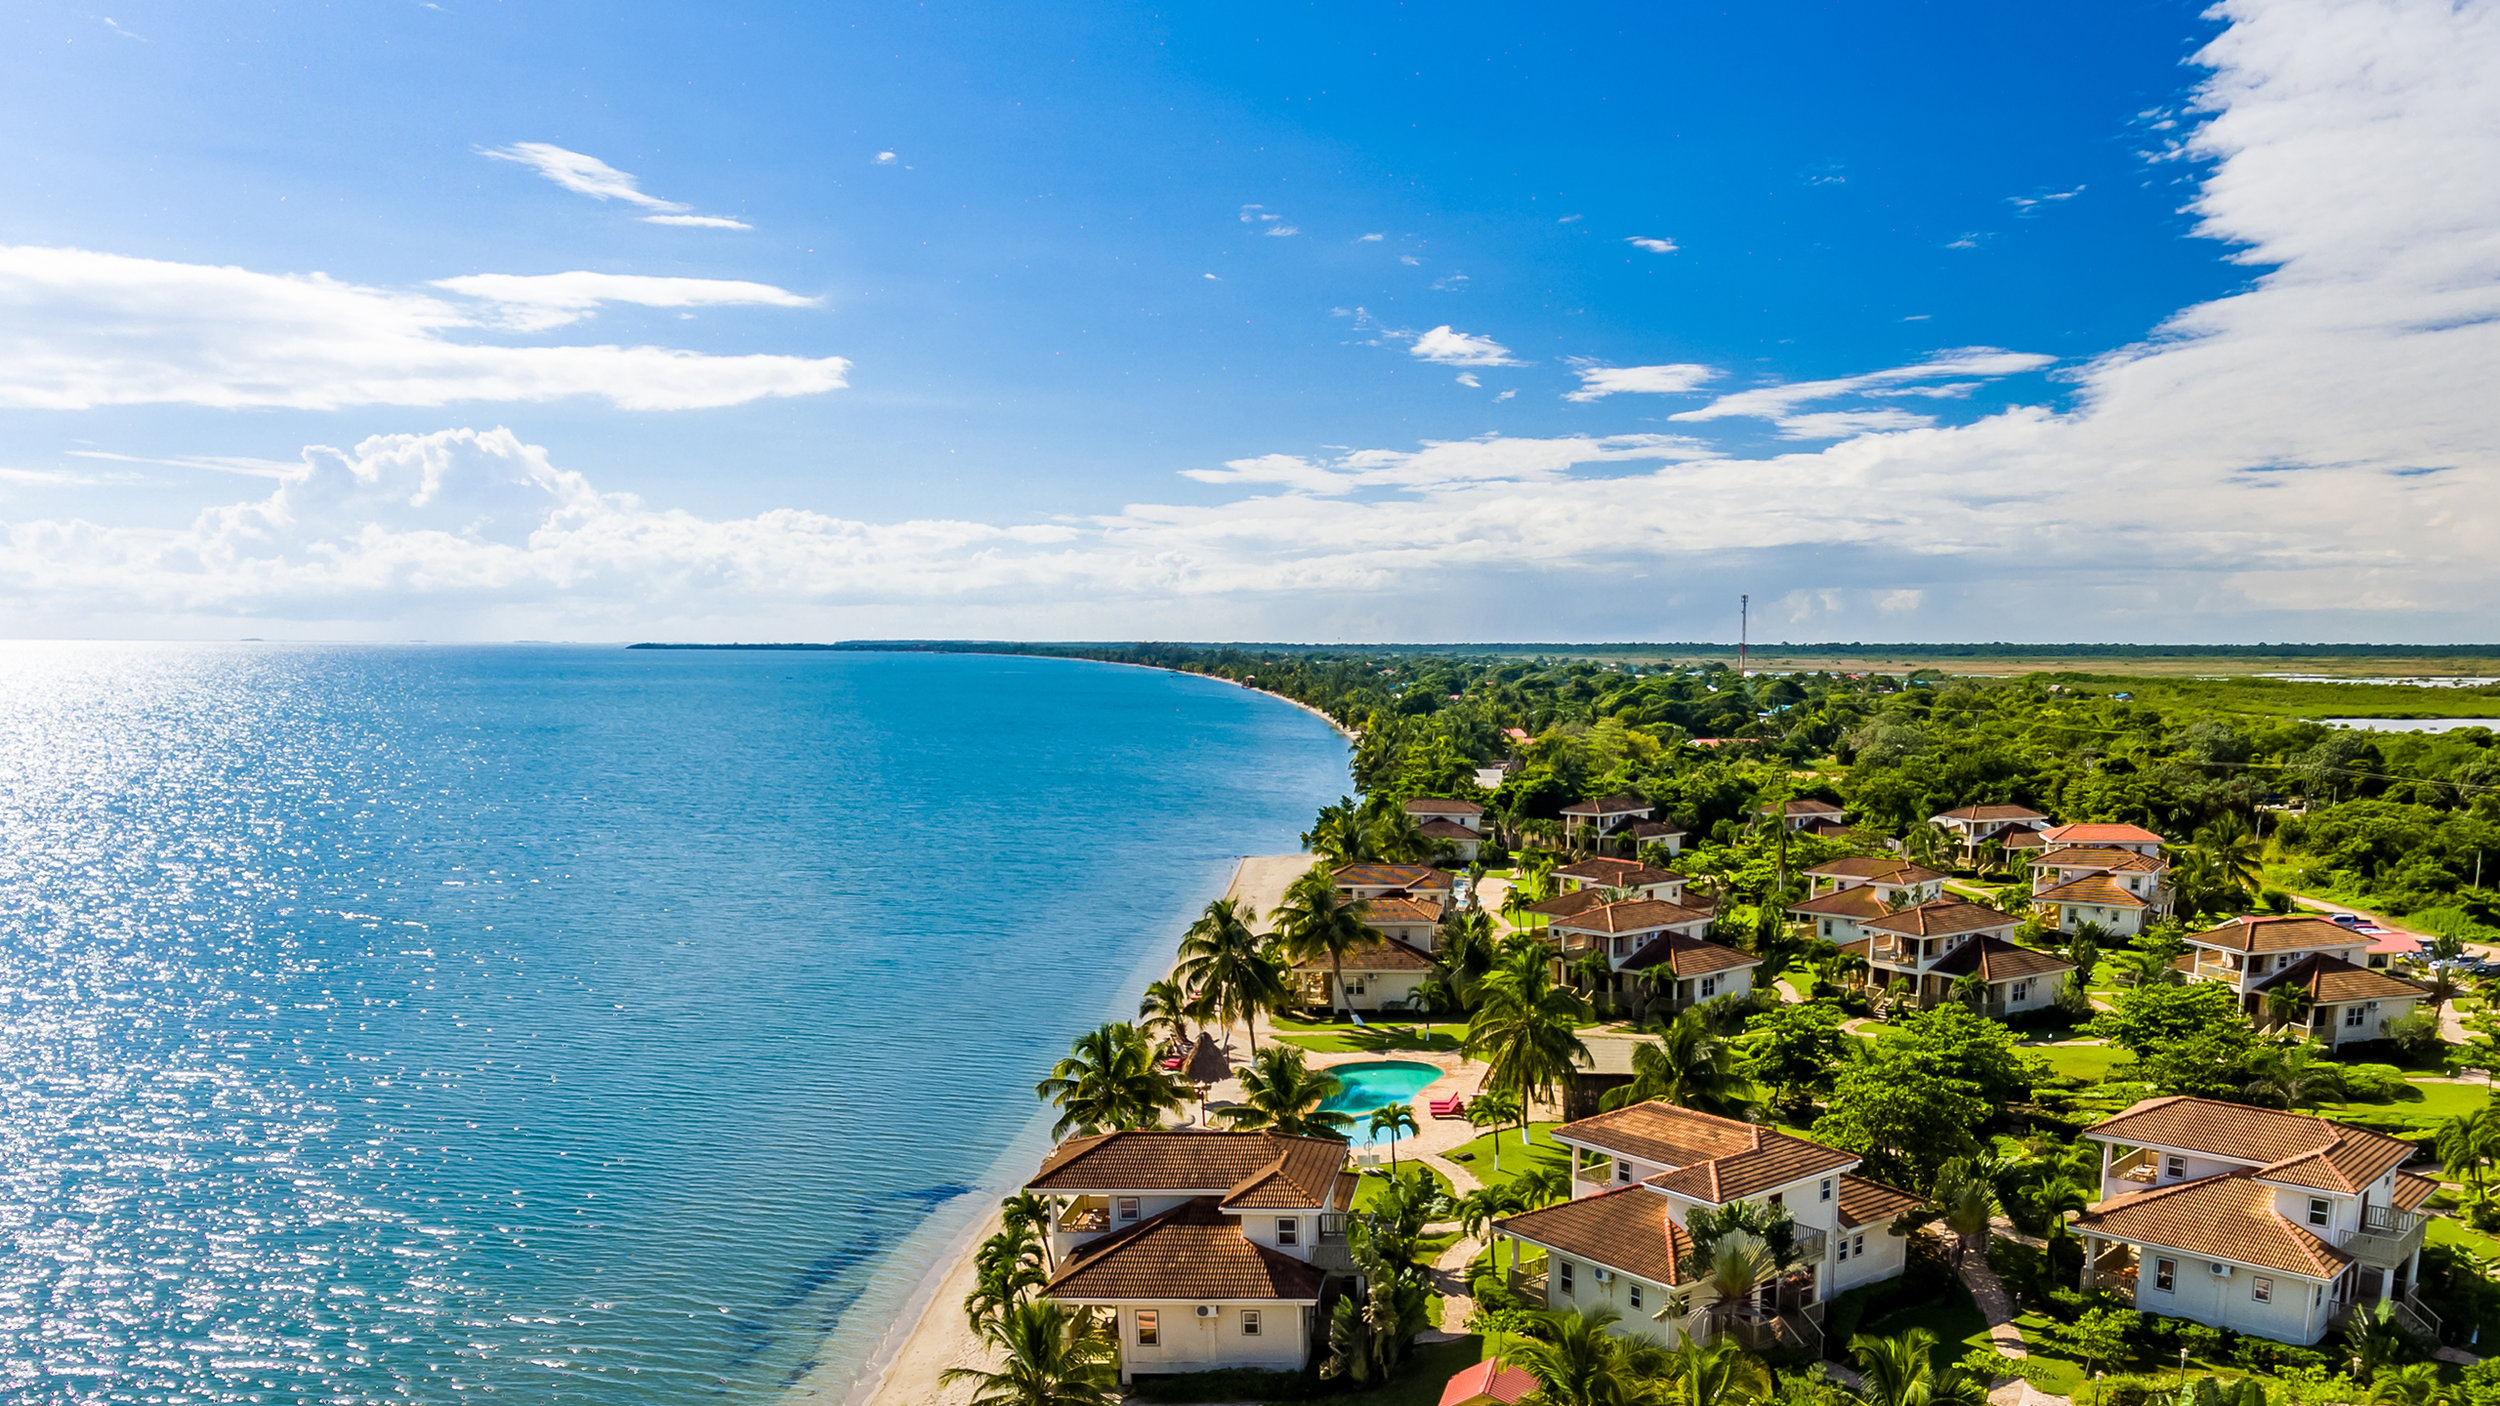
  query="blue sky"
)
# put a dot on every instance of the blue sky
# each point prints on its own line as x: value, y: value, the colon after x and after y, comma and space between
x: 1324, y: 322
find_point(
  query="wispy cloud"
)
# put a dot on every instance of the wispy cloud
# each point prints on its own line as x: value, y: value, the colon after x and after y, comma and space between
x: 2033, y: 204
x: 86, y: 329
x: 1674, y: 378
x: 1655, y: 246
x: 588, y: 175
x: 1449, y: 347
x: 1971, y: 240
x: 1369, y: 238
x: 1780, y: 401
x: 885, y: 158
x: 1267, y: 221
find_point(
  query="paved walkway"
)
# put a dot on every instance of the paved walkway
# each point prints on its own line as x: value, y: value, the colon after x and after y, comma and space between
x: 1995, y: 1304
x: 1449, y: 1280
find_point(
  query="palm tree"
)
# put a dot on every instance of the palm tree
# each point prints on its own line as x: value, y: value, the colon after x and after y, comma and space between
x: 2233, y: 855
x: 1492, y: 1109
x: 2293, y: 1075
x: 1739, y: 1259
x: 2137, y: 969
x: 1541, y: 1186
x: 1281, y: 1093
x: 1225, y: 963
x: 2465, y: 1145
x: 1108, y: 1080
x: 1990, y: 856
x: 2288, y: 1005
x: 1165, y: 1008
x: 1592, y: 972
x: 1965, y: 1197
x: 1007, y: 1268
x: 1899, y: 1370
x: 1523, y: 1029
x: 1924, y: 844
x: 1054, y: 1357
x: 1397, y: 1120
x: 1464, y: 955
x: 1317, y: 922
x: 1576, y: 1362
x: 1692, y: 1065
x: 1717, y: 1373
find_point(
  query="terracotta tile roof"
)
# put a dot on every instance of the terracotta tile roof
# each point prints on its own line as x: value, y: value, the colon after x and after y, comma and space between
x: 1864, y: 1202
x: 2332, y: 980
x: 1192, y: 1251
x: 1438, y: 829
x: 1861, y: 902
x: 1395, y: 876
x: 1307, y: 1172
x: 1618, y: 873
x: 1436, y: 805
x: 2097, y: 833
x: 1654, y: 829
x: 2091, y: 888
x: 1990, y: 813
x: 1809, y: 808
x: 2288, y: 1147
x: 2098, y: 857
x: 1564, y: 905
x: 1940, y: 917
x: 1632, y: 915
x: 1690, y: 956
x: 1488, y: 1380
x: 1876, y: 868
x: 1390, y: 911
x: 2412, y: 1191
x: 2229, y: 1218
x: 1172, y: 1159
x: 1626, y: 1230
x: 1712, y: 1159
x: 1384, y: 954
x: 2024, y: 839
x: 1992, y: 960
x: 1608, y: 805
x: 2291, y: 933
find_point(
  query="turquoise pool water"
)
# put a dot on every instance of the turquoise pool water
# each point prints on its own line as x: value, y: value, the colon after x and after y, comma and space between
x: 1373, y: 1086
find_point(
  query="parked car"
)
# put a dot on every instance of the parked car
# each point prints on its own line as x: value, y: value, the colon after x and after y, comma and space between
x: 2348, y: 920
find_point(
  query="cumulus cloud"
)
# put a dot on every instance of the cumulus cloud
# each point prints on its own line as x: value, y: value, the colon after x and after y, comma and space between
x: 588, y: 175
x: 885, y: 158
x: 80, y: 329
x: 1453, y: 348
x: 1674, y: 378
x: 1655, y: 246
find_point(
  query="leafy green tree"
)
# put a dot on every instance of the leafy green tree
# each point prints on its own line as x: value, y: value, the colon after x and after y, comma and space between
x: 1317, y: 921
x: 1690, y: 1065
x: 1965, y: 1197
x: 1226, y: 964
x: 1281, y: 1093
x: 2100, y: 1335
x: 2145, y: 1018
x: 2466, y: 1143
x: 1374, y: 1324
x: 1577, y: 1362
x: 1008, y: 1267
x: 1792, y: 1048
x: 1904, y: 1118
x: 1054, y: 1356
x: 1109, y: 1080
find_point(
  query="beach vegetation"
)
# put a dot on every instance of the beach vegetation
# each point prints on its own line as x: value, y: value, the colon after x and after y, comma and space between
x: 1229, y: 969
x: 1525, y: 1028
x: 1281, y: 1093
x: 1109, y: 1080
x: 1319, y: 921
x: 1050, y: 1356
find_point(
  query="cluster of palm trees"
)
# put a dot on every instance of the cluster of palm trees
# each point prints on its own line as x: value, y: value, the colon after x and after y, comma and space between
x: 1049, y: 1354
x: 1577, y: 1361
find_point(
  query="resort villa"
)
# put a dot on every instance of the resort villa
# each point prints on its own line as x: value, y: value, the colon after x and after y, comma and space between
x: 1207, y: 1249
x: 2109, y: 875
x: 1935, y: 951
x: 1849, y: 891
x: 1381, y: 974
x: 1663, y: 943
x: 1401, y: 880
x: 1973, y: 826
x: 1456, y: 824
x: 1598, y: 820
x: 1815, y: 817
x: 1413, y: 921
x: 2268, y: 1223
x: 1640, y: 880
x: 1623, y: 1241
x: 2346, y: 1000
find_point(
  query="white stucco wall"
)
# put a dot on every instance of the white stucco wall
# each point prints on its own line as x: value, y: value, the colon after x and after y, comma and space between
x: 2229, y: 1301
x: 1189, y: 1343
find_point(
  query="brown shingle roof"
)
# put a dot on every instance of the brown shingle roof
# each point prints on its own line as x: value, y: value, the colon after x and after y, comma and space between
x: 2097, y: 833
x: 1864, y: 1202
x: 2290, y: 1147
x: 1173, y: 1159
x: 1991, y: 813
x: 1690, y: 956
x: 1307, y: 1172
x: 1654, y: 829
x: 1632, y: 915
x: 1617, y: 873
x: 1384, y: 954
x: 1993, y: 960
x: 1564, y: 905
x: 2222, y: 1218
x: 1942, y: 917
x: 2024, y: 839
x: 2097, y: 857
x: 2331, y: 980
x: 1439, y: 829
x: 1192, y: 1251
x: 1876, y: 868
x: 2091, y: 888
x: 2412, y: 1191
x: 1809, y: 808
x: 1396, y: 876
x: 2286, y: 934
x: 1391, y: 911
x: 1625, y: 1230
x: 1436, y: 805
x: 1608, y: 805
x: 1712, y: 1159
x: 1861, y: 902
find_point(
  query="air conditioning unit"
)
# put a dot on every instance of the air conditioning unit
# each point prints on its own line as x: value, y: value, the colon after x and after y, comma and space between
x: 1207, y: 1310
x: 2218, y: 1269
x: 1604, y: 1276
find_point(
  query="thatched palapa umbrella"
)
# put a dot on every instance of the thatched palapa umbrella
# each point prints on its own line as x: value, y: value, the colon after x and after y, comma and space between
x: 1206, y: 1068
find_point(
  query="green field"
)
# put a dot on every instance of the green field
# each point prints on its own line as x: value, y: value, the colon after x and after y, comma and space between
x: 2423, y: 1105
x: 1541, y: 1151
x: 2085, y: 1062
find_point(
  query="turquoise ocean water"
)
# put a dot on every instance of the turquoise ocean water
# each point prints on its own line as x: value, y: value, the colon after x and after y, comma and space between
x: 556, y: 1024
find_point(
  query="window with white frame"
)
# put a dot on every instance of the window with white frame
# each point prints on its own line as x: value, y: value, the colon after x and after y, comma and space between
x: 1827, y: 1189
x: 2174, y: 1166
x: 1250, y: 1324
x: 2019, y: 992
x: 1709, y: 987
x: 1635, y: 1295
x: 1149, y: 1327
x: 2165, y: 1275
x: 1842, y: 1254
x: 1623, y: 1172
x: 2261, y: 1289
x: 2353, y: 1016
x: 1288, y: 1230
x: 1128, y: 1208
x: 1857, y: 1244
x: 1562, y: 1275
x: 2320, y: 1210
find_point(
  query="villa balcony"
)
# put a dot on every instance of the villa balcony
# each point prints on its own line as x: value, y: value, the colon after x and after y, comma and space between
x: 1529, y: 1286
x: 2138, y: 1169
x: 2386, y: 1237
x: 1811, y: 1244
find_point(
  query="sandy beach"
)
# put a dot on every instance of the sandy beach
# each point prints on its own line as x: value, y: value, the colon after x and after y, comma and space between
x: 937, y: 1338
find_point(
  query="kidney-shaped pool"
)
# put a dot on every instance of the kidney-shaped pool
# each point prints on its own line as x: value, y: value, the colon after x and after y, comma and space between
x: 1365, y: 1087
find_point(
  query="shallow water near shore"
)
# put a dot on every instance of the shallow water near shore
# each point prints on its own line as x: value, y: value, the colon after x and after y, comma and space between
x: 556, y: 1024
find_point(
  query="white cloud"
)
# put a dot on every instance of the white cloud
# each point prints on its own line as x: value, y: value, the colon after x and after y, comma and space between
x: 588, y: 175
x: 1674, y: 378
x: 1505, y: 395
x: 1468, y: 378
x: 1452, y: 348
x: 2031, y: 204
x: 79, y: 329
x: 536, y: 302
x: 1841, y: 424
x: 1280, y: 231
x: 1570, y: 219
x: 1369, y: 238
x: 1773, y: 402
x: 1900, y: 602
x: 1655, y: 246
x: 886, y: 158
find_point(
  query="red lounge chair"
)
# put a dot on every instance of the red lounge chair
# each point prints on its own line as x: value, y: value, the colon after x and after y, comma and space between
x: 1451, y: 1107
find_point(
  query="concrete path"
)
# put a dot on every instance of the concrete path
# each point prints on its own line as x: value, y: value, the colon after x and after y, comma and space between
x: 1995, y: 1305
x: 1449, y: 1280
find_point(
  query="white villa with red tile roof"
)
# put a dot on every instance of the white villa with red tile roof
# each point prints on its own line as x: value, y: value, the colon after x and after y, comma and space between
x: 1818, y: 816
x: 1458, y: 824
x: 1603, y: 816
x: 1927, y: 951
x: 2246, y: 1218
x: 1381, y: 974
x: 1973, y: 826
x: 1382, y: 880
x: 2098, y: 834
x: 1850, y: 891
x: 2349, y: 1001
x: 2094, y: 898
x: 2147, y: 876
x: 1622, y: 1240
x: 1208, y: 1249
x: 1641, y: 879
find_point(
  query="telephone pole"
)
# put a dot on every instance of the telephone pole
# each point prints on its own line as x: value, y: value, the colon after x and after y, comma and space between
x: 1744, y: 614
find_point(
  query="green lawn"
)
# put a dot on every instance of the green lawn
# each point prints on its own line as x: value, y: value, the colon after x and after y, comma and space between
x: 1954, y: 1319
x: 1541, y: 1151
x: 1370, y: 1187
x: 1376, y: 1039
x: 2459, y: 1235
x: 1421, y: 1376
x: 2089, y: 1063
x: 2421, y: 1105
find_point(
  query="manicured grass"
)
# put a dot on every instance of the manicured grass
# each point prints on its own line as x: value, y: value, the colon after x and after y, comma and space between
x: 2058, y: 1376
x: 2458, y: 1235
x: 1954, y: 1319
x: 1421, y: 1376
x: 1376, y: 1039
x: 1541, y: 1151
x: 2086, y: 1062
x: 1369, y: 1189
x: 2421, y: 1105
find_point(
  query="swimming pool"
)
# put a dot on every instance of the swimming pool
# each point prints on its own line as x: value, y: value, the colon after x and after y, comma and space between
x: 1376, y: 1085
